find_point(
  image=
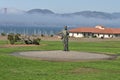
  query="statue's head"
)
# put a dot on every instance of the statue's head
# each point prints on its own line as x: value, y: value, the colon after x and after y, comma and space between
x: 65, y: 27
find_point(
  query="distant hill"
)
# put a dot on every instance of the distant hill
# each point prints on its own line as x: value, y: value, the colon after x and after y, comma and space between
x: 40, y: 11
x: 117, y: 15
x: 95, y: 14
x: 87, y: 14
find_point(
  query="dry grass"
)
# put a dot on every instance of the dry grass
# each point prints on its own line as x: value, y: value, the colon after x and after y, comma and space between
x: 80, y: 39
x: 55, y: 38
x: 3, y: 37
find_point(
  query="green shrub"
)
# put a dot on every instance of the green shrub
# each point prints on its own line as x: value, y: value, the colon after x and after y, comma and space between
x: 42, y: 35
x: 3, y: 34
x: 11, y: 38
x: 17, y: 37
x: 51, y: 35
x: 36, y: 41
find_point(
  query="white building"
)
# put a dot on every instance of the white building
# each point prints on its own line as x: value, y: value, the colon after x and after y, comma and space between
x: 98, y: 31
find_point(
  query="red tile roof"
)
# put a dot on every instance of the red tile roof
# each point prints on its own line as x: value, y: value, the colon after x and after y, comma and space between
x: 116, y: 30
x: 96, y: 30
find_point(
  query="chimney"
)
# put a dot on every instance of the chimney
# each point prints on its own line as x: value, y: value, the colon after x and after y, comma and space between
x: 100, y: 27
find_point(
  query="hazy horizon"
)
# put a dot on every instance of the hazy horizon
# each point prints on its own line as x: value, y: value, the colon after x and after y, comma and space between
x: 64, y: 6
x: 61, y: 6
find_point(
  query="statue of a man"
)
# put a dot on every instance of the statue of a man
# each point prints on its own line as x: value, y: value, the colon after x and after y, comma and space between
x: 65, y: 38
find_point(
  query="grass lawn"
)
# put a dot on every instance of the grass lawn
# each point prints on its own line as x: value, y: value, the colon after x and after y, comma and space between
x: 18, y: 68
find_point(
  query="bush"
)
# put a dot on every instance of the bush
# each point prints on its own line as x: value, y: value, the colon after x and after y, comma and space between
x: 42, y: 35
x: 94, y: 36
x: 36, y: 41
x: 11, y: 38
x: 3, y: 34
x: 28, y: 42
x: 51, y: 35
x: 17, y: 37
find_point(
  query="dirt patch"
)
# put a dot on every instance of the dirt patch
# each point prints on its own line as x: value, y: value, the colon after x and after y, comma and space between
x: 19, y: 45
x: 3, y: 37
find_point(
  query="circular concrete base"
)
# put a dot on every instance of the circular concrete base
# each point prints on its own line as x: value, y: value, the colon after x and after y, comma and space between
x: 63, y: 55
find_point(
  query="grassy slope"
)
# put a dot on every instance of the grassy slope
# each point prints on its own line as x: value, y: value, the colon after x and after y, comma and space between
x: 16, y: 68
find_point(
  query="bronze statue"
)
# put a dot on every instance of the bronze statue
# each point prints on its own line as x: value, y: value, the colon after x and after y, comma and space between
x: 65, y: 37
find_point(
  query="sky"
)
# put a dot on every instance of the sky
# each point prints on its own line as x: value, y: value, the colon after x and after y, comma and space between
x: 64, y: 6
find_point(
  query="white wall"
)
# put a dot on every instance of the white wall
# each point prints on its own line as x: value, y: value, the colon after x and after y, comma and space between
x: 103, y: 35
x: 77, y: 35
x: 80, y: 35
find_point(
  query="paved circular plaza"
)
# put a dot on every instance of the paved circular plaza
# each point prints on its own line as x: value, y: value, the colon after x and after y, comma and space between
x: 64, y: 55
